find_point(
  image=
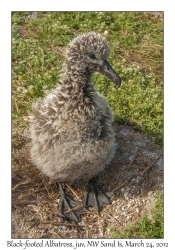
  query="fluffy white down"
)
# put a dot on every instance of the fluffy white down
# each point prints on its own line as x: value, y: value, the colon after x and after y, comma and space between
x: 72, y: 127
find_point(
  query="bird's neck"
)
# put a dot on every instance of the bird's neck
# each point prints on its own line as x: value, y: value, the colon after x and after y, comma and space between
x: 78, y: 90
x: 77, y: 80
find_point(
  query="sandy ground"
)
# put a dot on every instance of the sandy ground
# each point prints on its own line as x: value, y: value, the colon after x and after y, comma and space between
x: 130, y: 181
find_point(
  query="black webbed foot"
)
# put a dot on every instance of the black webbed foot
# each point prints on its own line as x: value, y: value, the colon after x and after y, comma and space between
x: 95, y: 197
x: 68, y: 207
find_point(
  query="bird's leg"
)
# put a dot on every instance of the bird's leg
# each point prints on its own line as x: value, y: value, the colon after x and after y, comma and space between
x: 95, y: 197
x: 68, y: 206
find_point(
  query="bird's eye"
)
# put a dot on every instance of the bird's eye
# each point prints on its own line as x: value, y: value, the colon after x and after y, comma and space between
x: 92, y: 56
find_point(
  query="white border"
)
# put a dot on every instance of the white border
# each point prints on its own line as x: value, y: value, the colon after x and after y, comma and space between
x: 5, y: 94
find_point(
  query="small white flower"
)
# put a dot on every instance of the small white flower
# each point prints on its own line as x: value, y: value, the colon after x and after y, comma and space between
x: 155, y: 96
x: 106, y: 33
x: 24, y: 91
x: 19, y: 88
x: 30, y: 87
x: 129, y: 69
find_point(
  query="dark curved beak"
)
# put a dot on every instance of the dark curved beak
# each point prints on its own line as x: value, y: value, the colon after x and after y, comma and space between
x: 108, y: 71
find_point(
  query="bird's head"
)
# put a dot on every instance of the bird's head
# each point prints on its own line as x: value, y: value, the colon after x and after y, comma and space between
x: 88, y: 53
